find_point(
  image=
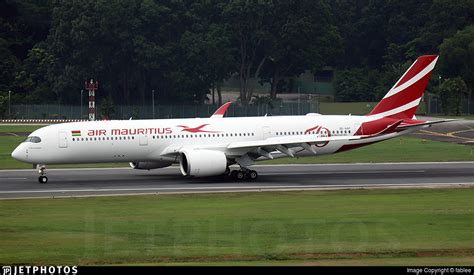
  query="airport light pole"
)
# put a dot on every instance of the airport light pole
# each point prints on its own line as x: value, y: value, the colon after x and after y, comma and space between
x: 299, y: 102
x: 82, y: 91
x: 9, y: 104
x: 153, y: 102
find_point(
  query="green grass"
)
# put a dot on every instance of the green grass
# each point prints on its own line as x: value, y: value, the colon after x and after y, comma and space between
x: 406, y: 226
x: 387, y: 261
x: 344, y: 108
x: 396, y: 150
x: 10, y: 128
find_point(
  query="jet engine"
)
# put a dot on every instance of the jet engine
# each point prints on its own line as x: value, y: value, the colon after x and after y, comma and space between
x: 147, y: 165
x: 202, y: 163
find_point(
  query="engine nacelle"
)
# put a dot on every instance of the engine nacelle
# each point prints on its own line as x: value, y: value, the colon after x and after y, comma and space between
x: 148, y: 165
x: 202, y: 163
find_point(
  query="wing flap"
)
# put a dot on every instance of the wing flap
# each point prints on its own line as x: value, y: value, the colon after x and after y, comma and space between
x: 290, y: 140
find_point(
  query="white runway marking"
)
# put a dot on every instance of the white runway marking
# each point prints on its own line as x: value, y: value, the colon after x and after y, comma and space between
x: 302, y: 187
x: 339, y: 172
x: 264, y: 165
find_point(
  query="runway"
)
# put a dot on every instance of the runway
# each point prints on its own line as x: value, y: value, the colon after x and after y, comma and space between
x: 124, y: 181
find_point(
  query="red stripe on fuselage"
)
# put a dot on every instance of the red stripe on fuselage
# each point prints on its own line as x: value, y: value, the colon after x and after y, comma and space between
x: 348, y: 147
x: 375, y: 126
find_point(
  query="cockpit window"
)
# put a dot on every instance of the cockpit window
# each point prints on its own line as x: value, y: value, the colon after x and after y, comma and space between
x: 33, y: 139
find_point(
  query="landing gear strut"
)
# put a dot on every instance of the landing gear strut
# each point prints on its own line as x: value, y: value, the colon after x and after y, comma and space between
x: 42, y: 178
x: 244, y: 174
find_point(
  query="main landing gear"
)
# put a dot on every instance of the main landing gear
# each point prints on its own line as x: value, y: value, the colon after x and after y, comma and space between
x: 243, y: 174
x: 42, y: 178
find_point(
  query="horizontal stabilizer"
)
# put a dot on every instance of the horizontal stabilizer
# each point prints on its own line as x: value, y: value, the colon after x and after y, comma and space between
x: 407, y: 126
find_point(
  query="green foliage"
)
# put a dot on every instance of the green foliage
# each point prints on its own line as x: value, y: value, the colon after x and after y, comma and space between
x: 451, y: 93
x: 355, y: 85
x: 300, y: 37
x: 266, y: 100
x: 3, y: 104
x: 182, y: 49
x: 457, y: 56
x: 107, y: 108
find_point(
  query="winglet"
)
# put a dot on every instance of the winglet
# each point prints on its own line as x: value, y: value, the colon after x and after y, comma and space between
x: 221, y: 111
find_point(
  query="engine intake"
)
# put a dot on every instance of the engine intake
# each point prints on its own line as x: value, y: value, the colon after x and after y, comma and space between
x: 147, y: 165
x: 202, y: 163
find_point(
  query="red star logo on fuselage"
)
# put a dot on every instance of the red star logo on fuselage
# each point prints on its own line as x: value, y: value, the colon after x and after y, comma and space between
x: 196, y: 129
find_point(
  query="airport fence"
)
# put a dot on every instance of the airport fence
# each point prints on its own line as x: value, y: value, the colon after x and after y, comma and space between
x: 205, y: 110
x: 159, y: 111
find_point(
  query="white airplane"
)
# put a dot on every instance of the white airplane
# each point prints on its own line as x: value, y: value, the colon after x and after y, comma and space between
x: 208, y: 146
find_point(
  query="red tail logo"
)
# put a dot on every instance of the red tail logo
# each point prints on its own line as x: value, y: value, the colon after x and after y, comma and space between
x: 405, y: 96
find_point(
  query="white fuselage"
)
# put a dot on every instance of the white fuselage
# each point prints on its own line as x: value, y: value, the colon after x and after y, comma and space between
x: 147, y: 140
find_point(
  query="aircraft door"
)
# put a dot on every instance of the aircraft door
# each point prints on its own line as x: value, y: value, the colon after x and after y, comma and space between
x: 62, y: 140
x: 266, y: 132
x: 143, y: 140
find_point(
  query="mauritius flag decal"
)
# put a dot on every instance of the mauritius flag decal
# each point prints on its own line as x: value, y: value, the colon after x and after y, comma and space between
x: 76, y: 133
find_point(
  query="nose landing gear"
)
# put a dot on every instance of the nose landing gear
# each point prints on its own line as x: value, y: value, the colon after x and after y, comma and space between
x: 41, y: 170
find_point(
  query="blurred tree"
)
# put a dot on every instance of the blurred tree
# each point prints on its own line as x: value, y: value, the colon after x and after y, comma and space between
x: 182, y: 49
x: 451, y: 93
x: 250, y: 23
x: 301, y: 37
x: 457, y: 57
x: 355, y: 85
x: 442, y: 19
x: 107, y: 108
x: 3, y: 104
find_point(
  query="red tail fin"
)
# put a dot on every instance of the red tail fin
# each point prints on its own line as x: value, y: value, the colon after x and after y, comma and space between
x: 404, y: 97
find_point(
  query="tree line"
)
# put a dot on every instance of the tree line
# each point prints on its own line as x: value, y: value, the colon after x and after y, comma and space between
x: 183, y: 49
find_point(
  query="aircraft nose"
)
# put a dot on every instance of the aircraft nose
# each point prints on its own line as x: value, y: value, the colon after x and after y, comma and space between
x: 19, y: 153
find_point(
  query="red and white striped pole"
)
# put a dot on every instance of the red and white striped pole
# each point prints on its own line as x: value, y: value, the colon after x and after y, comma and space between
x: 92, y: 87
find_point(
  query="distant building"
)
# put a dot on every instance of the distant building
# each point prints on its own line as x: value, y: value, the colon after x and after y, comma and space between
x: 319, y: 83
x: 311, y: 85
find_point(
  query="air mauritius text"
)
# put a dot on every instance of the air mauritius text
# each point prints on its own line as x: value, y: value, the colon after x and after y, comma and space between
x: 129, y: 131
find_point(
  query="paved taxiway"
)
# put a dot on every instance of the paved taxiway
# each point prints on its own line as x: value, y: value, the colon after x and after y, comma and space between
x: 458, y: 131
x: 121, y: 181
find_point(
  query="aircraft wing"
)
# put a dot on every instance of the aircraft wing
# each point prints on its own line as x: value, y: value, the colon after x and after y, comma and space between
x: 279, y: 143
x: 219, y: 113
x: 284, y: 144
